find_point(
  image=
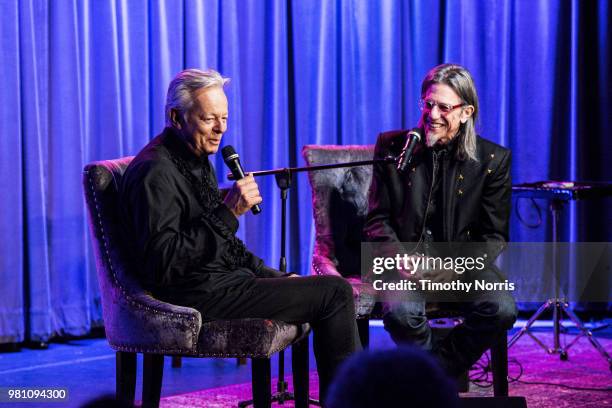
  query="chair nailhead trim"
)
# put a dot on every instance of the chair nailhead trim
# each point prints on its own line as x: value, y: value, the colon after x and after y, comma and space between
x: 192, y: 353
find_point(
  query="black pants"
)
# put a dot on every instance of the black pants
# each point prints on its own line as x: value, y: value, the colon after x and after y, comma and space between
x: 487, y: 315
x: 326, y: 302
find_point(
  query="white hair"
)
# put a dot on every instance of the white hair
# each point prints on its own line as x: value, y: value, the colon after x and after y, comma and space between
x: 183, y: 86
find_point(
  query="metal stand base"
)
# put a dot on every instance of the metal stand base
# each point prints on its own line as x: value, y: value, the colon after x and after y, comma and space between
x: 560, y: 306
x: 281, y: 397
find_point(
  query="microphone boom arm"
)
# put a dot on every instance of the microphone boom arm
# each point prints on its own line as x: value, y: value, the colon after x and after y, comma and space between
x: 291, y: 170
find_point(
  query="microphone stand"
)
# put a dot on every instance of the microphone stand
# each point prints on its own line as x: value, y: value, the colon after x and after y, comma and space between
x: 291, y: 170
x: 283, y: 178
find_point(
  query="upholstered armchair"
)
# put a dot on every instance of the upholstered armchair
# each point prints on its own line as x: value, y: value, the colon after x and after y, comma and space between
x: 136, y: 322
x: 340, y: 205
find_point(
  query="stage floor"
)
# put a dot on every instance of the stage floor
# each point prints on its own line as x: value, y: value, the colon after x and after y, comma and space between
x: 86, y: 367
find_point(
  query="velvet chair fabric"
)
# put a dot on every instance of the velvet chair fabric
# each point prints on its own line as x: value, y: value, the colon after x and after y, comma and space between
x: 136, y: 322
x: 340, y: 204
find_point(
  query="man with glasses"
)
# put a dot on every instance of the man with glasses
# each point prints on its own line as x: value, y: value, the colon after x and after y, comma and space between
x: 456, y: 189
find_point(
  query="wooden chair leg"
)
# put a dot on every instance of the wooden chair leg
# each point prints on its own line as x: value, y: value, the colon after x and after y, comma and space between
x: 299, y: 364
x: 499, y: 366
x: 177, y: 361
x: 363, y: 327
x: 125, y: 377
x: 152, y: 373
x: 262, y: 396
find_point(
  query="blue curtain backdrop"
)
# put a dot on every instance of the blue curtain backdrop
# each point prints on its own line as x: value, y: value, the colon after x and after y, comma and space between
x: 86, y: 80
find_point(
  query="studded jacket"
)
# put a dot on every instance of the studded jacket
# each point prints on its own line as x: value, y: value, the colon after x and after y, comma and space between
x: 475, y: 196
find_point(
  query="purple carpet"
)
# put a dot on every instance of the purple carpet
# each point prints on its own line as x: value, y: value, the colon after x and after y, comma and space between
x: 584, y: 369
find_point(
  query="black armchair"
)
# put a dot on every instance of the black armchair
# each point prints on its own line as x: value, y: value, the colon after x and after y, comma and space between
x: 136, y: 322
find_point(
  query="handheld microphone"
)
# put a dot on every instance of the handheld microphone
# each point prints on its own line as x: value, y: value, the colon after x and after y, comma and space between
x: 412, y: 138
x: 232, y: 160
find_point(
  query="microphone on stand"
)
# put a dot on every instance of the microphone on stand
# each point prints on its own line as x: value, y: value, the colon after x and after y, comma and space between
x: 412, y: 138
x: 232, y: 160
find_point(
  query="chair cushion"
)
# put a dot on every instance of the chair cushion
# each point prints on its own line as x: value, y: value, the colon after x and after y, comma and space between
x: 247, y: 337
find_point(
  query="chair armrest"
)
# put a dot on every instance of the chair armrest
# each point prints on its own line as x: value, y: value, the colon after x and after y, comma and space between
x: 323, y: 266
x: 363, y: 293
x: 137, y: 322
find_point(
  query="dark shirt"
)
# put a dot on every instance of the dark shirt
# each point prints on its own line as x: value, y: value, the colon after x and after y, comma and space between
x: 182, y: 234
x: 437, y: 157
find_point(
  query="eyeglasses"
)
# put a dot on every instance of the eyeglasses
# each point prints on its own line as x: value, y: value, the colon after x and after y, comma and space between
x: 426, y: 105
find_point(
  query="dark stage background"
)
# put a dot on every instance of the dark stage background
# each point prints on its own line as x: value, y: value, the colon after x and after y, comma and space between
x: 86, y: 80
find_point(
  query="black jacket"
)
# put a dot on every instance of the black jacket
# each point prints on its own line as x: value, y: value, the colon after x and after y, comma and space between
x: 476, y: 195
x: 183, y: 250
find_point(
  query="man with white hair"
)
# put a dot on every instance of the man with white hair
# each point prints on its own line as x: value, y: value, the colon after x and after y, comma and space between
x: 184, y: 234
x: 456, y: 189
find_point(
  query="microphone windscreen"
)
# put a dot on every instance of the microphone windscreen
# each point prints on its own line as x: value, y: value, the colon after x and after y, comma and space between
x: 417, y: 132
x: 229, y: 153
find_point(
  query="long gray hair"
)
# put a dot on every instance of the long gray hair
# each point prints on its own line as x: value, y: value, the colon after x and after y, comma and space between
x: 459, y: 80
x: 184, y: 84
